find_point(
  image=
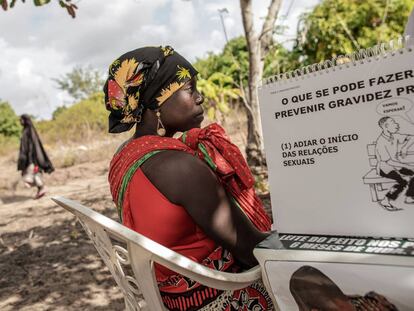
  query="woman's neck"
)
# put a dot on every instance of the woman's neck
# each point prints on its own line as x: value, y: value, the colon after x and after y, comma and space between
x: 144, y: 130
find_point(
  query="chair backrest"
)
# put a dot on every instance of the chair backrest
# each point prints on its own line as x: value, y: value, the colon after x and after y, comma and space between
x: 130, y: 257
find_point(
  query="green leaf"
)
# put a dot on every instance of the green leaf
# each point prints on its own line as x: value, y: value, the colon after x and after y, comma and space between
x: 40, y: 2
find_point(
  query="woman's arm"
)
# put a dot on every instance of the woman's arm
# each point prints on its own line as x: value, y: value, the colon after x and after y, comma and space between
x: 187, y: 181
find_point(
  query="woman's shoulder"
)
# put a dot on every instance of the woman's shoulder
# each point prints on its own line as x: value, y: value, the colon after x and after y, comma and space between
x: 173, y: 163
x: 175, y: 172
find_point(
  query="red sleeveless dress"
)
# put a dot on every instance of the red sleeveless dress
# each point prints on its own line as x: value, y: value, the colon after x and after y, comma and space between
x: 167, y: 224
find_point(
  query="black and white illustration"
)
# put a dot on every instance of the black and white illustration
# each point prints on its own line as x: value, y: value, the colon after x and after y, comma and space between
x: 392, y: 162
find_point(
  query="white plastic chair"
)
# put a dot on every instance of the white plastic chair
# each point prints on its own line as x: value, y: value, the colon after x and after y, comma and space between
x: 131, y: 264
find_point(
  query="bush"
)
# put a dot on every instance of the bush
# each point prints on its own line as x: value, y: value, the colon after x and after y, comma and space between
x: 9, y: 121
x: 78, y: 123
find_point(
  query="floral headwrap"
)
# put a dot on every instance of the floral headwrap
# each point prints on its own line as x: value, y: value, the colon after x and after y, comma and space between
x: 143, y: 79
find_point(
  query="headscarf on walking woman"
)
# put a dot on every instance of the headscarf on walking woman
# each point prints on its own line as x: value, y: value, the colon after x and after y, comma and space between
x: 144, y: 79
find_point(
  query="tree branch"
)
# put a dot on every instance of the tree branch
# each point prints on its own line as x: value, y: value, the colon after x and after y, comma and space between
x: 347, y: 31
x: 247, y: 17
x: 384, y: 17
x: 266, y: 35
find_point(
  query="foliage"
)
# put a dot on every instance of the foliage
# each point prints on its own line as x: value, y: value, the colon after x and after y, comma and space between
x: 338, y: 27
x: 77, y: 123
x: 221, y: 75
x: 224, y: 75
x: 9, y: 121
x: 279, y: 60
x: 81, y: 82
x: 58, y: 111
x: 66, y: 4
x: 233, y: 61
x: 218, y: 90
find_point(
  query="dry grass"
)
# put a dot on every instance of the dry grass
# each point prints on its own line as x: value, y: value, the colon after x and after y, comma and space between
x: 98, y: 146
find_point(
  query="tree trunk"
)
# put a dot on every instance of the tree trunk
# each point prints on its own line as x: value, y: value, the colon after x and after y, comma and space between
x: 254, y: 148
x: 257, y: 45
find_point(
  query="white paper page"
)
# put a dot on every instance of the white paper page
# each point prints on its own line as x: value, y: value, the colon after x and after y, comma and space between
x: 322, y: 178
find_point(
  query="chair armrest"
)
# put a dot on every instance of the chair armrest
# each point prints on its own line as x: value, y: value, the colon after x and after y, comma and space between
x: 141, y: 246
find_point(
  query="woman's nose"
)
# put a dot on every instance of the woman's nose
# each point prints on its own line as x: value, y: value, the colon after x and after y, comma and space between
x: 200, y: 99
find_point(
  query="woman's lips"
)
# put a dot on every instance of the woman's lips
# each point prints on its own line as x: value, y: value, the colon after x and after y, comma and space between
x: 200, y: 115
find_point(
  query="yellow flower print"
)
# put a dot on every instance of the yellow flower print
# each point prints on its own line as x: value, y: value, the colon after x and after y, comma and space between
x: 128, y: 119
x: 167, y: 50
x: 183, y: 73
x: 168, y: 91
x: 125, y: 71
x: 132, y: 102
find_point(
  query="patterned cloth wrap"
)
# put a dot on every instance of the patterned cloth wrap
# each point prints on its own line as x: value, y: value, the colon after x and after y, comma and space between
x: 143, y: 79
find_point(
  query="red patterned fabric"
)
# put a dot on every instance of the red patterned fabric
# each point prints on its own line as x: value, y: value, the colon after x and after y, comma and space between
x: 130, y: 153
x: 232, y: 170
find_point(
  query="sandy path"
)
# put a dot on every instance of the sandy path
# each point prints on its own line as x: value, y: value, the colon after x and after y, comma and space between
x: 46, y: 260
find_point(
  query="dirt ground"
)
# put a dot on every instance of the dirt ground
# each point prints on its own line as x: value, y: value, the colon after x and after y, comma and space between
x: 46, y: 260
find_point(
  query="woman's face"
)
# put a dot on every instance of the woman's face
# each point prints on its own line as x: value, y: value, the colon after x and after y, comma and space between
x: 183, y: 111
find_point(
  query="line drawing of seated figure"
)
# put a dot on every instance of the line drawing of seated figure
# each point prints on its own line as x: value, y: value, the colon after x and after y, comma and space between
x: 391, y: 148
x: 312, y: 290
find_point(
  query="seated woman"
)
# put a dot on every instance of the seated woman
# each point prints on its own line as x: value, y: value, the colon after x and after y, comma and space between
x: 192, y: 194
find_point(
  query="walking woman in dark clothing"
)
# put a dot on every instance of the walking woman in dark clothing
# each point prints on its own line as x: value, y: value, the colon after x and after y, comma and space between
x: 33, y: 159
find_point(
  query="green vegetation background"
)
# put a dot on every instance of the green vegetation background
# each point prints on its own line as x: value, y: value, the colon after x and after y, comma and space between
x: 332, y: 28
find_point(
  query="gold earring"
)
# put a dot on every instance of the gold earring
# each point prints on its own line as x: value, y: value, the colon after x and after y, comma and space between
x: 160, y: 127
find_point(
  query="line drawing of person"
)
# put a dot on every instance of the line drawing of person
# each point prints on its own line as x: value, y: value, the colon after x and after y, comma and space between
x: 312, y: 290
x: 391, y: 148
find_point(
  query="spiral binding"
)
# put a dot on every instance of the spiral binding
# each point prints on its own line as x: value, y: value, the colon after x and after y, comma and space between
x: 347, y: 60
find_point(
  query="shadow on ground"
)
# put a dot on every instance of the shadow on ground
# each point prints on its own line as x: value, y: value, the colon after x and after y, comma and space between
x: 55, y: 268
x: 14, y: 198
